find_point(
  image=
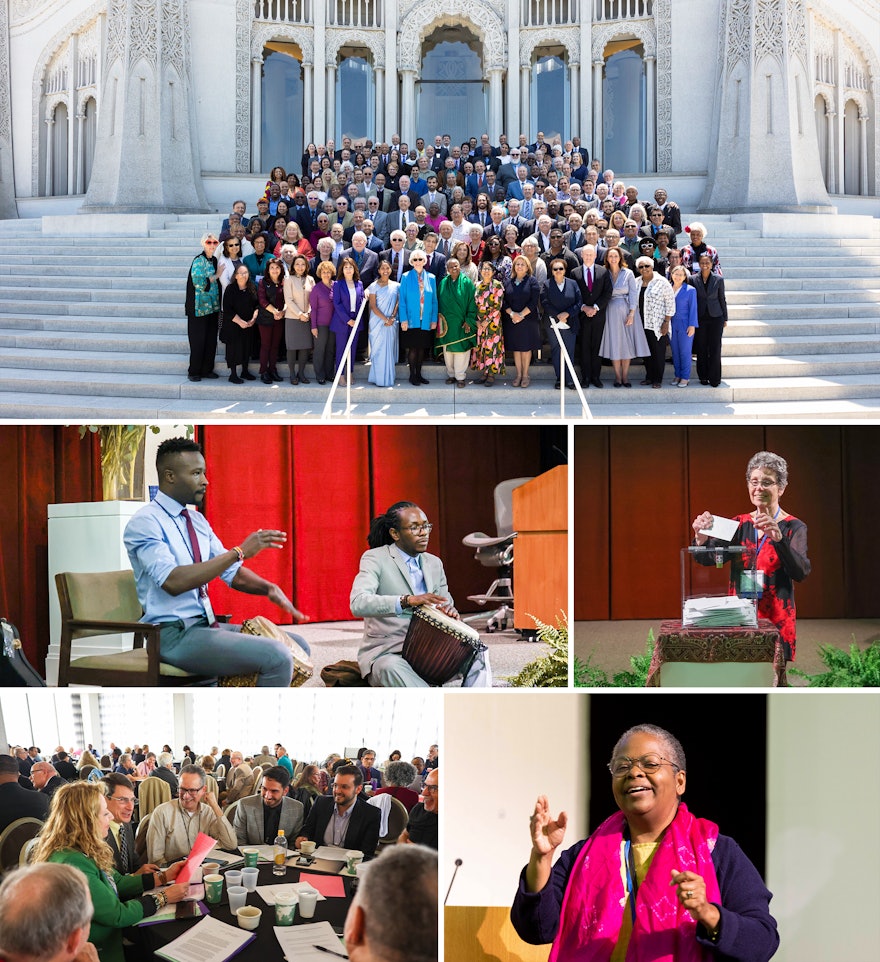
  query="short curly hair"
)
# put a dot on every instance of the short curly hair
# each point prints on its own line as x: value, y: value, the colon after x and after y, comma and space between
x: 770, y: 462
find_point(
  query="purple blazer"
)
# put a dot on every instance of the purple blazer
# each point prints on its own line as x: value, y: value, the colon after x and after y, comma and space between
x: 321, y: 303
x: 342, y: 312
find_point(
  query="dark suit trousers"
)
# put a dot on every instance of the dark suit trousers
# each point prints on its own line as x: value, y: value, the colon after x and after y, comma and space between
x: 270, y: 342
x: 592, y: 329
x: 202, y: 333
x: 324, y: 352
x: 707, y: 346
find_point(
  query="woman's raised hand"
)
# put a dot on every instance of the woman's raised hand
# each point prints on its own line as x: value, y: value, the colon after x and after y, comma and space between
x: 547, y: 833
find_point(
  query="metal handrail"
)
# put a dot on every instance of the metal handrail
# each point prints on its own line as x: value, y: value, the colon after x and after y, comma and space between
x: 567, y: 365
x: 326, y: 414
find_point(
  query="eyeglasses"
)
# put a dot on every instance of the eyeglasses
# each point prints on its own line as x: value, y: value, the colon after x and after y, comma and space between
x: 761, y: 483
x: 190, y: 791
x: 646, y: 267
x: 123, y: 799
x: 418, y: 528
x: 211, y: 243
x: 431, y: 789
x: 649, y: 764
x: 557, y: 270
x: 233, y: 245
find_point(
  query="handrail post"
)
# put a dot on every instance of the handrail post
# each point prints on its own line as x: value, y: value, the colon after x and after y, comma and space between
x: 326, y: 414
x: 566, y: 368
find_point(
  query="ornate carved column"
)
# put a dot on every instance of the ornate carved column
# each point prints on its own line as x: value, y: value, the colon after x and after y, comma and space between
x: 81, y: 152
x: 863, y: 152
x: 598, y: 132
x: 331, y: 101
x: 584, y: 30
x: 308, y: 133
x: 761, y: 162
x: 408, y: 106
x: 575, y: 98
x: 7, y: 182
x: 392, y: 124
x: 512, y: 123
x: 50, y: 154
x: 148, y: 134
x: 525, y: 79
x: 496, y: 117
x: 651, y: 114
x: 379, y: 125
x: 830, y: 155
x: 72, y: 127
x: 257, y: 114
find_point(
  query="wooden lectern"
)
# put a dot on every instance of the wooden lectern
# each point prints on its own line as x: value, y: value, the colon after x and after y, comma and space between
x: 485, y: 934
x: 540, y: 572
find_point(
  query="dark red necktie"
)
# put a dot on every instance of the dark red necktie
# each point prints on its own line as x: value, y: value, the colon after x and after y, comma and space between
x: 196, y: 552
x: 590, y: 279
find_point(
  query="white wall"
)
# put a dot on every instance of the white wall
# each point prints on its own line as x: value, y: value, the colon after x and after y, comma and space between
x: 500, y: 751
x: 823, y: 824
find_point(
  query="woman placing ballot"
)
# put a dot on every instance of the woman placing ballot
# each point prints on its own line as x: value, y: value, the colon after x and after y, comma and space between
x: 775, y: 543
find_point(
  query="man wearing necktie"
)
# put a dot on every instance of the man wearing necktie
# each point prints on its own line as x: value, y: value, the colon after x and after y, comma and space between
x: 175, y: 556
x: 120, y: 798
x: 396, y: 575
x: 594, y: 283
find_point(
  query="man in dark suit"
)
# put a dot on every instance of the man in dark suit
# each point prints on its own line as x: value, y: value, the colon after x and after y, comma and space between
x: 65, y: 767
x: 46, y: 778
x: 405, y: 190
x: 345, y: 819
x: 16, y: 801
x: 475, y: 183
x: 120, y: 803
x: 385, y: 195
x: 436, y: 263
x: 307, y: 217
x: 496, y: 225
x: 258, y: 818
x: 594, y: 283
x: 367, y: 262
x: 671, y: 210
x: 396, y: 255
x: 165, y: 770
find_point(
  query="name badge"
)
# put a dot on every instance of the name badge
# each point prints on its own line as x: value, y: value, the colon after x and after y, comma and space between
x: 209, y: 609
x: 751, y: 584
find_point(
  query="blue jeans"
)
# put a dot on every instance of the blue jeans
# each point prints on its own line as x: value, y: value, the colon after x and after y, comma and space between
x: 194, y: 646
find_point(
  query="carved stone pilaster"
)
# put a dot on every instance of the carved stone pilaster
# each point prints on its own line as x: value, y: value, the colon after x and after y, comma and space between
x: 7, y: 184
x: 147, y: 134
x: 763, y: 157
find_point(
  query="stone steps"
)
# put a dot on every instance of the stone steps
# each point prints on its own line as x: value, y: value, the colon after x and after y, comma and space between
x: 87, y: 320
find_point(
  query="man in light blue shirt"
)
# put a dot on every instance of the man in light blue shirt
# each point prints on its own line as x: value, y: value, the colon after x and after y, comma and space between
x: 175, y: 555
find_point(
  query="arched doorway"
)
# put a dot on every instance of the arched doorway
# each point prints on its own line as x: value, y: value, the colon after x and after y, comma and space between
x: 355, y: 96
x: 624, y: 107
x: 452, y: 95
x: 550, y: 94
x: 281, y: 115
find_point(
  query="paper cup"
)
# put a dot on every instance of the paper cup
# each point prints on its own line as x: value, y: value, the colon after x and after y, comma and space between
x: 251, y: 857
x: 285, y: 909
x: 353, y: 858
x: 249, y: 877
x: 210, y: 868
x: 308, y: 899
x: 213, y: 888
x: 307, y: 848
x: 248, y: 917
x: 233, y: 877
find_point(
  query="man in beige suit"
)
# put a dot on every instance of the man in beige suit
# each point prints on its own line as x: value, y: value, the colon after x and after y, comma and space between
x: 239, y: 778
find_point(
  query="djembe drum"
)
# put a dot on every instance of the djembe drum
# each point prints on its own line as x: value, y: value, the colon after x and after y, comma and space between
x: 438, y: 647
x: 302, y: 665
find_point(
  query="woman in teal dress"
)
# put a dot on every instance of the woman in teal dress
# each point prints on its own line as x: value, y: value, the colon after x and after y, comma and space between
x: 488, y: 357
x: 383, y: 294
x: 74, y: 834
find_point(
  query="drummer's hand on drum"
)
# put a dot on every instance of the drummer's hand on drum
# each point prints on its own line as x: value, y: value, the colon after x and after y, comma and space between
x: 449, y: 609
x: 278, y: 597
x: 428, y: 599
x: 264, y: 538
x: 704, y: 520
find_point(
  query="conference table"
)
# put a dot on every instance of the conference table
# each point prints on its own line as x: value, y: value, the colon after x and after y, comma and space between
x: 265, y: 945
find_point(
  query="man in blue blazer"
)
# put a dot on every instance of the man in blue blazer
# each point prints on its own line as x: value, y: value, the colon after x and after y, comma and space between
x: 345, y: 820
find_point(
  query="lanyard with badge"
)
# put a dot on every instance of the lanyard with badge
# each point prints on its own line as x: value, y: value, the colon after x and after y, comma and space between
x: 751, y: 580
x: 204, y: 600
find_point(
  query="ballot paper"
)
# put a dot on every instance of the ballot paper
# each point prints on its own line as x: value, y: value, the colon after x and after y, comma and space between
x: 333, y: 853
x: 298, y: 942
x: 207, y: 941
x: 727, y: 611
x: 201, y: 846
x: 224, y: 859
x: 268, y: 893
x: 721, y: 528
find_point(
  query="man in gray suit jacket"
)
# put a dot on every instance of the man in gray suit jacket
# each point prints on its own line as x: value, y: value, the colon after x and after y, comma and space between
x: 258, y: 818
x: 396, y: 575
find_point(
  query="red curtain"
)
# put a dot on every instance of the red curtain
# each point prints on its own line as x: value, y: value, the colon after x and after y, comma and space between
x: 43, y: 465
x: 637, y: 490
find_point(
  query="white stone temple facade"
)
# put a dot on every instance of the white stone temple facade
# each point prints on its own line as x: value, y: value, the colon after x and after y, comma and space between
x: 136, y: 104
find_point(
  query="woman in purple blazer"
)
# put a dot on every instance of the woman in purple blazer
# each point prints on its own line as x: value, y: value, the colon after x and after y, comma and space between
x: 348, y: 295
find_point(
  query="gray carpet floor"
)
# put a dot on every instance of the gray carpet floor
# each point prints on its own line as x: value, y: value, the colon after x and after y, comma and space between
x: 611, y: 643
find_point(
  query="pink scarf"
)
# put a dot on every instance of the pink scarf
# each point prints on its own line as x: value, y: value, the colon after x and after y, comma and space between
x: 595, y: 898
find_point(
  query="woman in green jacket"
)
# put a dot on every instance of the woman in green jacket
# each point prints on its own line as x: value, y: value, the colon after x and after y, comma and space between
x: 74, y: 834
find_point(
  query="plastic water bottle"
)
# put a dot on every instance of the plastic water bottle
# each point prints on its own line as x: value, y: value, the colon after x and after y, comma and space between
x: 280, y: 861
